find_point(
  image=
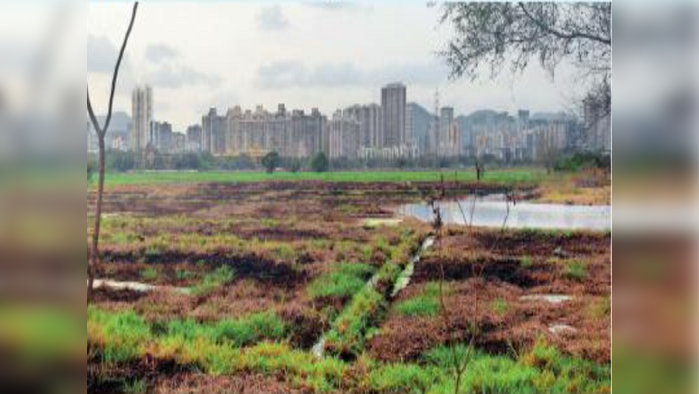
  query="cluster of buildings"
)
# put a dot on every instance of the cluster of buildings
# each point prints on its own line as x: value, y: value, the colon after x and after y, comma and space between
x: 533, y: 137
x: 392, y: 129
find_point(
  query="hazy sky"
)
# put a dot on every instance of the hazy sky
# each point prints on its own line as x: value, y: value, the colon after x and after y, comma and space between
x: 197, y: 55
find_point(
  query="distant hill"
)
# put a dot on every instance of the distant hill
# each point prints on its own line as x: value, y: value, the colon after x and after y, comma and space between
x: 120, y: 122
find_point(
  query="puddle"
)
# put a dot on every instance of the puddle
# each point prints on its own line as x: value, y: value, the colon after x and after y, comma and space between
x: 317, y: 349
x: 377, y: 222
x: 490, y: 211
x: 134, y: 286
x: 557, y: 329
x: 550, y: 298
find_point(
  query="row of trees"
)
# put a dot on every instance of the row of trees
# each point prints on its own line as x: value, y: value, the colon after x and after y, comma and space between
x: 119, y: 161
x: 318, y: 163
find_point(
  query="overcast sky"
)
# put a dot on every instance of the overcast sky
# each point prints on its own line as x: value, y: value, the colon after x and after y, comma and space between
x: 198, y: 55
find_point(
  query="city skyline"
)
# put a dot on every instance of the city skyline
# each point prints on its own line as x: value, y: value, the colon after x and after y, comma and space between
x: 394, y: 129
x: 186, y: 63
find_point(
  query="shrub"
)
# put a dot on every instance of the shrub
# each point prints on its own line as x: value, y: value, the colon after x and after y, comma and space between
x: 319, y: 162
x: 271, y: 161
x: 295, y: 165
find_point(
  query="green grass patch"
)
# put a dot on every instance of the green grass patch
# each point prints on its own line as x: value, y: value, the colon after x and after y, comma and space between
x: 509, y: 176
x: 212, y: 349
x: 149, y: 274
x: 122, y: 334
x: 402, y: 378
x: 499, y: 306
x: 214, y: 280
x: 348, y: 334
x: 181, y: 274
x: 575, y: 271
x: 342, y: 282
x: 543, y: 369
x: 137, y: 386
x: 244, y: 331
x: 426, y: 304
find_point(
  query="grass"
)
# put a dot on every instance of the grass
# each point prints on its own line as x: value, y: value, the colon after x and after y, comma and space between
x: 426, y: 304
x: 209, y: 348
x: 149, y: 274
x: 121, y: 335
x: 525, y: 261
x: 600, y: 309
x: 244, y: 331
x: 184, y: 274
x: 575, y: 271
x: 499, y: 306
x: 214, y: 280
x: 342, y: 282
x: 348, y: 333
x: 508, y: 176
x: 137, y: 386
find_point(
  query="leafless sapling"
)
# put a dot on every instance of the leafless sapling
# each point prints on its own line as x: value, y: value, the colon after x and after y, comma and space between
x: 101, y: 132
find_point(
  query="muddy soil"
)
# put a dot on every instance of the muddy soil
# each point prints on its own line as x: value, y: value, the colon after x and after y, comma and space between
x: 487, y: 280
x: 312, y: 226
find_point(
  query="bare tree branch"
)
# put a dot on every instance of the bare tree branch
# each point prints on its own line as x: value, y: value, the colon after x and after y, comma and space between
x: 115, y: 76
x: 566, y: 36
x: 101, y: 133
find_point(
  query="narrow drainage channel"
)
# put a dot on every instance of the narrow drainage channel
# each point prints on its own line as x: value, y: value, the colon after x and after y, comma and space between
x: 401, y: 283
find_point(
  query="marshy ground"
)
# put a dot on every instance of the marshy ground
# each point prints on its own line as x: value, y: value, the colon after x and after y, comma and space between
x: 249, y: 276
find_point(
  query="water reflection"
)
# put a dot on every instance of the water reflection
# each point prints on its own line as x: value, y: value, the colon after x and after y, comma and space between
x: 491, y: 212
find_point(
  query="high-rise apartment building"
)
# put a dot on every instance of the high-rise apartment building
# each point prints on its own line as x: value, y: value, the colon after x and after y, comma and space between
x: 417, y: 126
x: 254, y: 133
x: 393, y: 102
x: 193, y: 142
x: 160, y: 136
x: 213, y: 133
x: 370, y: 124
x: 343, y: 136
x: 142, y: 116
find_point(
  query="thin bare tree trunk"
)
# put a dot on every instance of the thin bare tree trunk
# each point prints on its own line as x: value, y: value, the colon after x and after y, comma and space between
x: 101, y: 133
x: 94, y: 252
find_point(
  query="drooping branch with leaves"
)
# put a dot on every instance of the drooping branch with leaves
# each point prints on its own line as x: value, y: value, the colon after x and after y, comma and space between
x: 501, y: 34
x: 101, y: 132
